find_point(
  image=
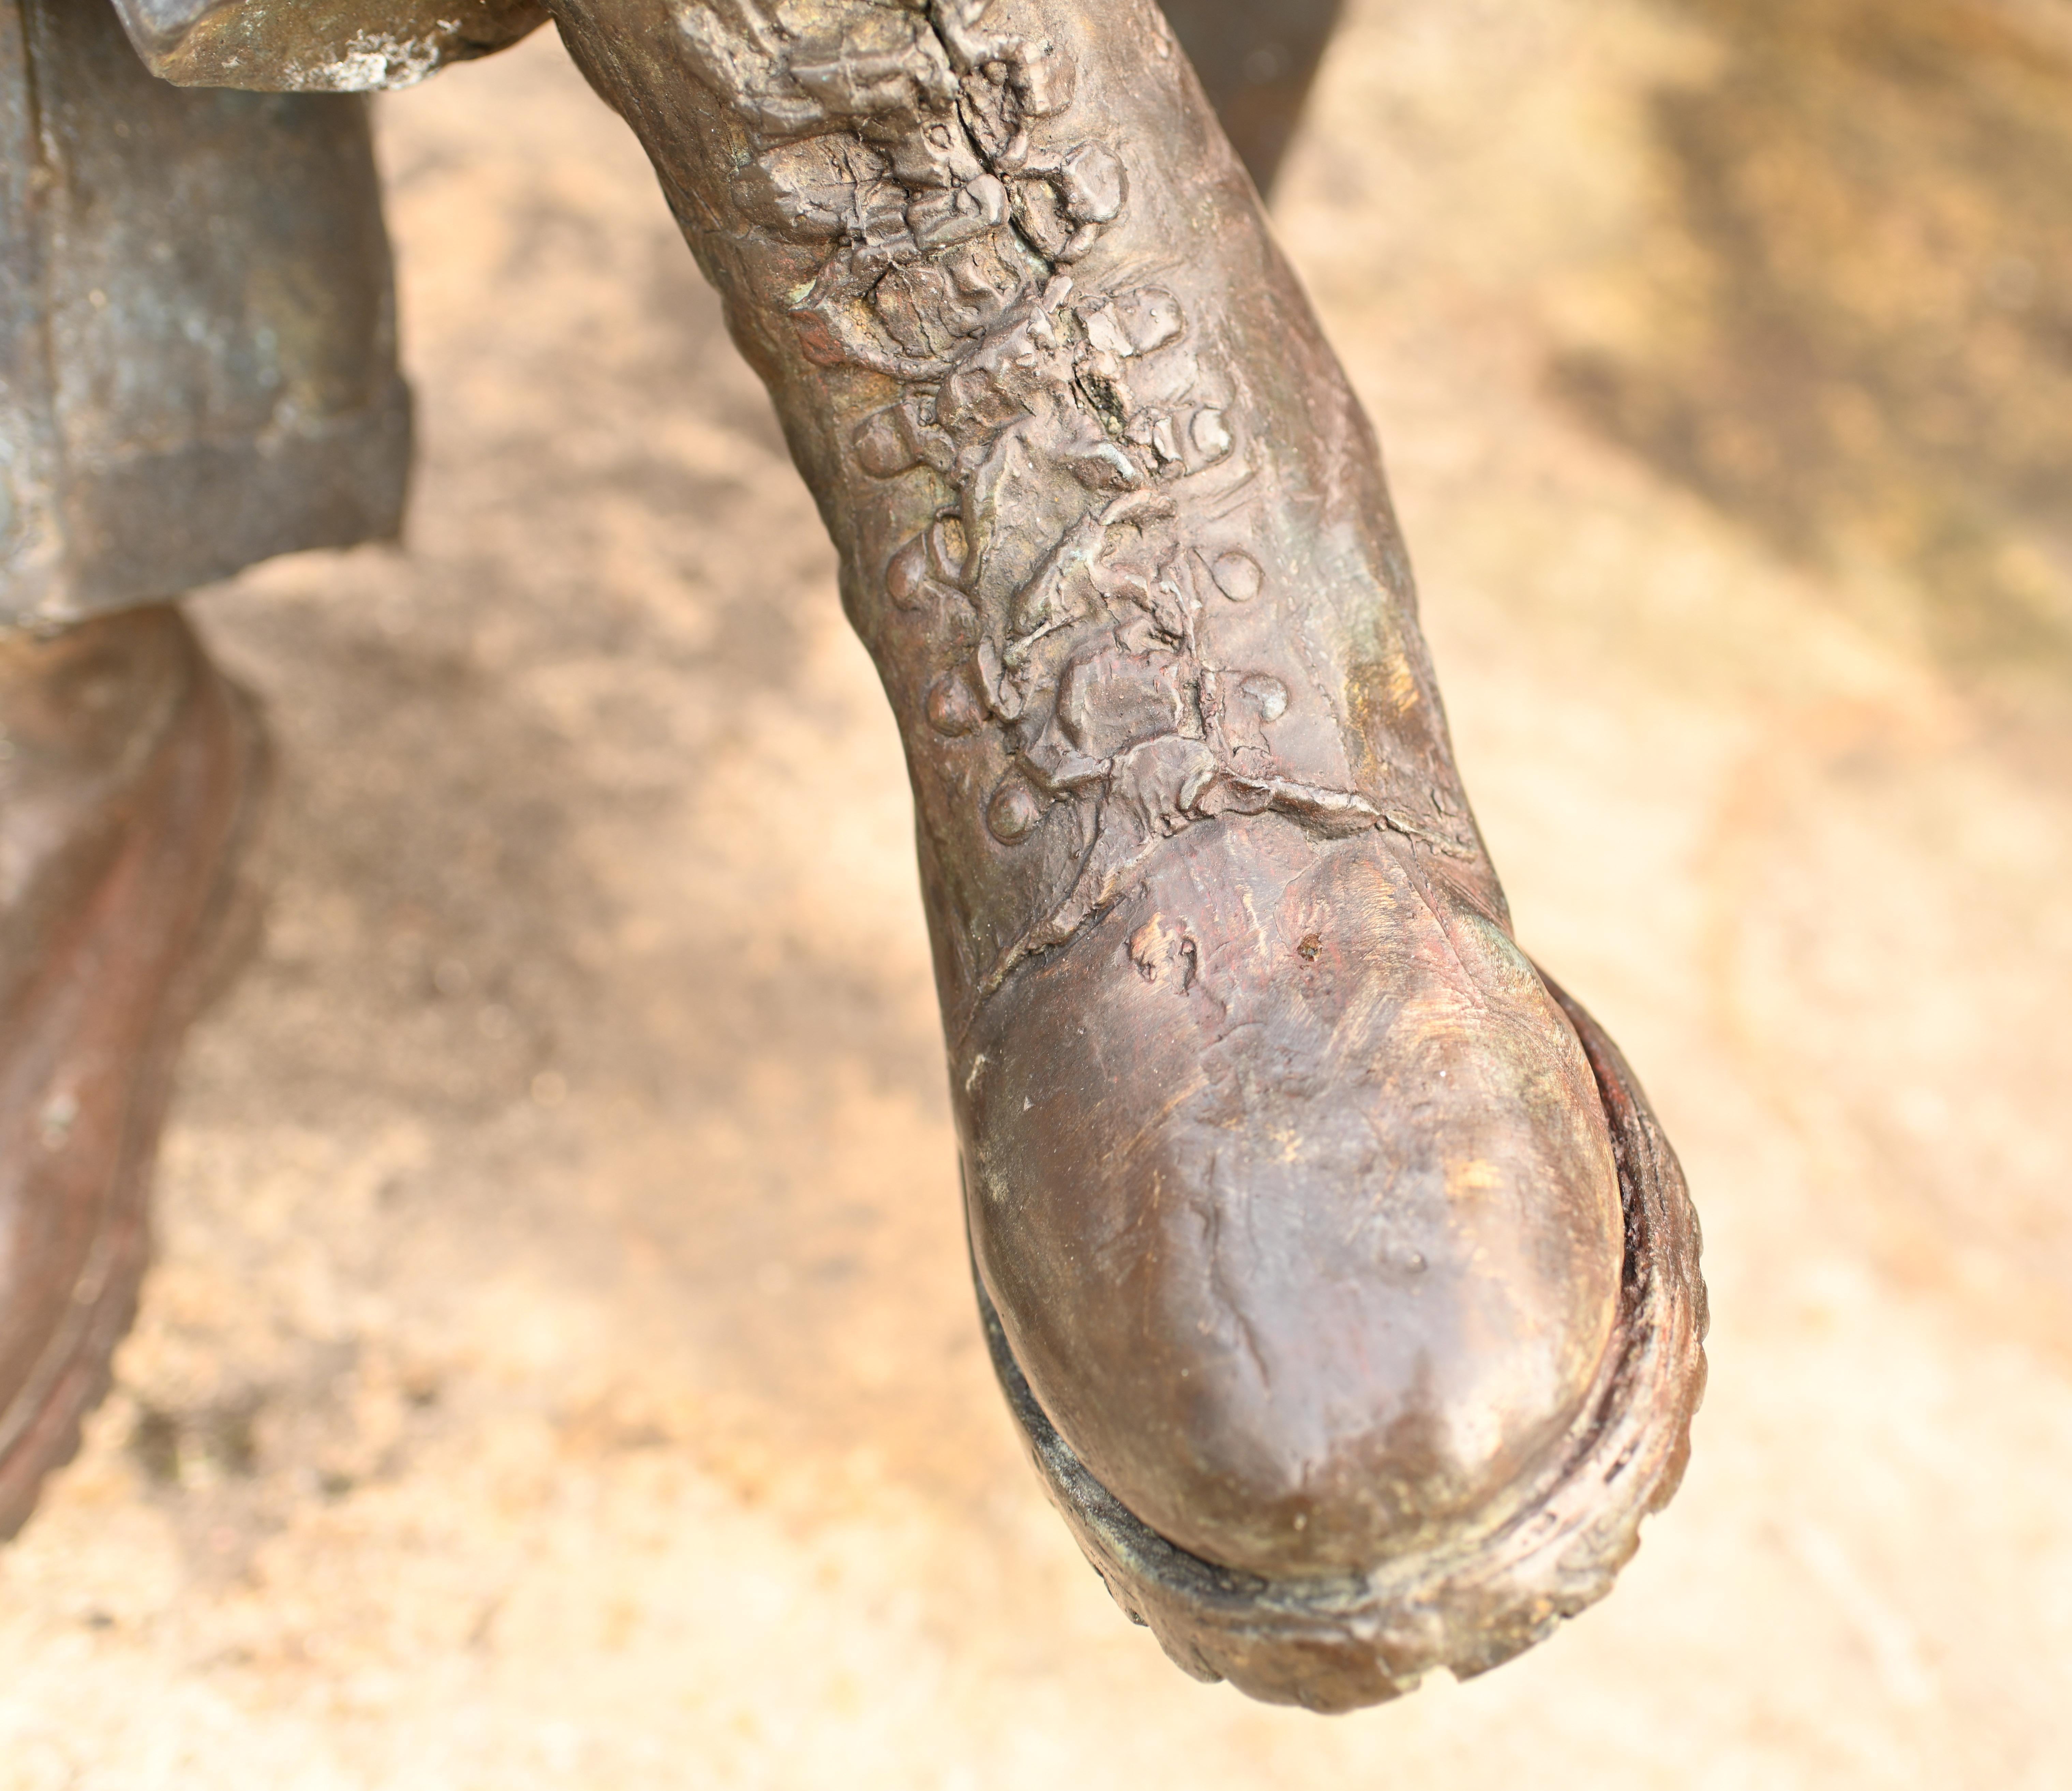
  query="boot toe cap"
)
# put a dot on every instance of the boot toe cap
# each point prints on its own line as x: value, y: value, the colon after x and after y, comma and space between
x: 1313, y: 1258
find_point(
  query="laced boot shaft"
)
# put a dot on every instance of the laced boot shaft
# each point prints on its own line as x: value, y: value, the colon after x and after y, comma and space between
x: 1110, y: 519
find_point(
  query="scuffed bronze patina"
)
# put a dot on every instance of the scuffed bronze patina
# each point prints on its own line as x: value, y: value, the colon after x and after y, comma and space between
x: 1290, y: 1183
x: 1337, y: 1642
x: 320, y: 45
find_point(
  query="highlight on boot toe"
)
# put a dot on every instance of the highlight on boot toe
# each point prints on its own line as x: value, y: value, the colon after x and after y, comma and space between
x: 1303, y: 1210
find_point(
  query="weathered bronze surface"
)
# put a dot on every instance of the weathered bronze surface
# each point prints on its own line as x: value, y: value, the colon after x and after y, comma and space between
x: 1343, y: 1289
x: 320, y: 45
x: 197, y: 332
x: 1256, y: 61
x: 130, y: 778
x: 1289, y: 1181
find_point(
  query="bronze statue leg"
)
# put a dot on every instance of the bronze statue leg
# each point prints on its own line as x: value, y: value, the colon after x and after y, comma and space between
x: 1344, y: 1289
x: 197, y: 370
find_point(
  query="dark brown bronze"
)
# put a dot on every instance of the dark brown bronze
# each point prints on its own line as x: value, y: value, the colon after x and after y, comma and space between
x: 1336, y: 1642
x: 1292, y: 1190
x: 1343, y: 1287
x: 130, y: 777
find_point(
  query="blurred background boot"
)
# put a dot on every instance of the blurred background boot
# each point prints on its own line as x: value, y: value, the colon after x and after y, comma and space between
x: 130, y: 778
x: 1256, y: 60
x: 197, y: 371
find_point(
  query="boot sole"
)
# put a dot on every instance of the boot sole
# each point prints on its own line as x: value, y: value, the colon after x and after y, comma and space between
x: 1472, y: 1602
x: 42, y: 1431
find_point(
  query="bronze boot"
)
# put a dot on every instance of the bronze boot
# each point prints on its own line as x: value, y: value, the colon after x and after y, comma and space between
x: 1345, y: 1291
x: 129, y: 776
x: 1343, y: 1286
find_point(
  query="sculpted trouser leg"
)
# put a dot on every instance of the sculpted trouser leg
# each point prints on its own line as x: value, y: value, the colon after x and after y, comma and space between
x: 1345, y: 1292
x: 197, y: 370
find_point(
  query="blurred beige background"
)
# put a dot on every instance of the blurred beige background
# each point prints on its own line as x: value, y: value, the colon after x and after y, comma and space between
x: 560, y: 1368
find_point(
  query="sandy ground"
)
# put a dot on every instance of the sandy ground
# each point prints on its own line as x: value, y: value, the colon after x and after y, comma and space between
x: 560, y: 1370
